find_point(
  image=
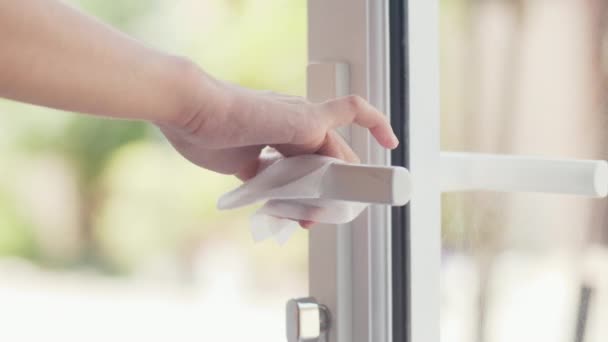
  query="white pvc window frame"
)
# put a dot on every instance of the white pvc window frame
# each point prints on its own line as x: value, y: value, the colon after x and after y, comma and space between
x: 350, y: 265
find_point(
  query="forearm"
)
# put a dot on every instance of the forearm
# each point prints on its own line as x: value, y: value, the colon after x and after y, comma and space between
x: 56, y: 56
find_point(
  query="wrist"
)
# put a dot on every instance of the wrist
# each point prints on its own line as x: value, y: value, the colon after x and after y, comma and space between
x: 191, y: 90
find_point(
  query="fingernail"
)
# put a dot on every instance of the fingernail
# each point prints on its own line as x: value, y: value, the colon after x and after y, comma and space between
x: 305, y: 224
x: 395, y: 141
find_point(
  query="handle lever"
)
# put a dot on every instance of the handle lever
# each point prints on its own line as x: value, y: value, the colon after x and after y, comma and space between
x: 367, y: 183
x: 476, y: 171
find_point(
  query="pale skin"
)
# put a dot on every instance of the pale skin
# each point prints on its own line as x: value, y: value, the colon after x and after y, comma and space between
x: 56, y: 56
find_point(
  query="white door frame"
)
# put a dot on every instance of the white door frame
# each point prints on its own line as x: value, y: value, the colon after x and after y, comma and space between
x: 350, y: 265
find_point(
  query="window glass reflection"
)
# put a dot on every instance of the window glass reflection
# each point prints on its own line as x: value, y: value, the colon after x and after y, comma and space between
x: 524, y: 77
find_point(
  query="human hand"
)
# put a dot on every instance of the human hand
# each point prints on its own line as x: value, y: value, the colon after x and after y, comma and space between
x: 229, y: 126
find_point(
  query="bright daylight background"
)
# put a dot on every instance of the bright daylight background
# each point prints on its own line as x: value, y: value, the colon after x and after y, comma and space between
x: 525, y: 77
x: 106, y: 234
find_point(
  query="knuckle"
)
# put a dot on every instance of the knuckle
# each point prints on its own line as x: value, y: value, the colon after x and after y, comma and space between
x: 355, y: 102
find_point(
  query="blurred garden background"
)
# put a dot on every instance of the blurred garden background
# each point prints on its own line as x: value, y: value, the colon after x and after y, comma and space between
x: 524, y: 77
x: 106, y: 234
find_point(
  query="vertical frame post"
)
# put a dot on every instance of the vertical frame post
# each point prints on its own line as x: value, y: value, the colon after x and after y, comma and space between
x: 350, y: 265
x: 424, y: 148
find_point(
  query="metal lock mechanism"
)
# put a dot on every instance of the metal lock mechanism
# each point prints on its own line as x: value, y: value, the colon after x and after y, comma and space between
x: 307, y: 320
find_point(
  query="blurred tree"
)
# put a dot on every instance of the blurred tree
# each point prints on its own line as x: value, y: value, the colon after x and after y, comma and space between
x: 15, y: 232
x: 86, y: 142
x: 232, y: 39
x: 120, y: 14
x: 89, y: 143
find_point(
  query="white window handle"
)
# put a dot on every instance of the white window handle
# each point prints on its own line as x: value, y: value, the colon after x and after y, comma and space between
x: 367, y: 183
x: 469, y: 172
x: 509, y: 173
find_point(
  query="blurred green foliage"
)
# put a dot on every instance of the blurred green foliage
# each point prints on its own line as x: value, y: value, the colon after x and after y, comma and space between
x: 119, y: 14
x: 90, y: 142
x: 138, y: 199
x: 155, y: 202
x: 16, y: 236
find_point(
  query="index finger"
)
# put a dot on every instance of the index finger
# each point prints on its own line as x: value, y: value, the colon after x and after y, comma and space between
x: 354, y: 109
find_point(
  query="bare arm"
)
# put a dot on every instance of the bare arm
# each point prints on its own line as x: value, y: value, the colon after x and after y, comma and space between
x: 56, y: 56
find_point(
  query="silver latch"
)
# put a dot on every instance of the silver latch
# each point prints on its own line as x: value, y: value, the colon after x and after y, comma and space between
x: 307, y: 320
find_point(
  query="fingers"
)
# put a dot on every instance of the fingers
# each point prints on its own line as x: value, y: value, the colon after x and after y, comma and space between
x: 349, y: 155
x: 331, y: 147
x: 266, y: 158
x: 335, y: 146
x: 249, y: 171
x: 354, y: 109
x: 306, y: 224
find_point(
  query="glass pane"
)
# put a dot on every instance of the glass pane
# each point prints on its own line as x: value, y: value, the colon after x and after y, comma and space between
x: 524, y: 77
x: 106, y: 234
